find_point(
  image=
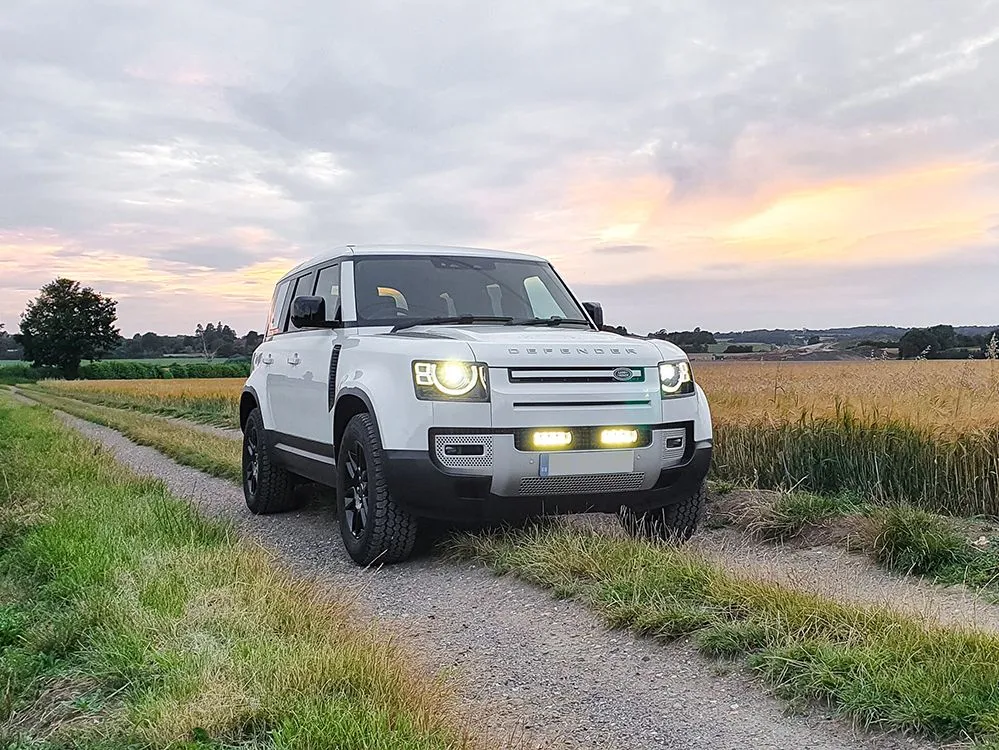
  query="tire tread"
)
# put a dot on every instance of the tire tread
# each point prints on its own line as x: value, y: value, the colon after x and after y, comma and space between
x: 276, y: 488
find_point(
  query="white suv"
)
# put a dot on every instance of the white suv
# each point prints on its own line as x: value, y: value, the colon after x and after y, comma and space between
x: 464, y: 385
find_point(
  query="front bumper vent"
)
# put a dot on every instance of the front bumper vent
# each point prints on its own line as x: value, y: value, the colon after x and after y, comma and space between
x: 583, y: 484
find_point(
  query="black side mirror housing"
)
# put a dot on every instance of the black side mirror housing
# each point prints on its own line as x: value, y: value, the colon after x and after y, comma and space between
x: 310, y: 312
x: 596, y: 311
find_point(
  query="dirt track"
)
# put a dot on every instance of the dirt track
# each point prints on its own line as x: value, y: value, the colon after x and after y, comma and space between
x: 544, y: 672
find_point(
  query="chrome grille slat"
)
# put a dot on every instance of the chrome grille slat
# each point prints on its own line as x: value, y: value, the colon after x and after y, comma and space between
x: 534, y: 375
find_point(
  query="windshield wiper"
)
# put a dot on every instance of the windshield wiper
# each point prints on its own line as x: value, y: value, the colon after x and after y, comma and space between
x: 553, y: 321
x: 458, y: 319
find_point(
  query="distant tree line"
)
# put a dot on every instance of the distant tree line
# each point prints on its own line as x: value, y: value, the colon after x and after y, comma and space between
x: 68, y: 324
x: 692, y: 342
x: 211, y: 341
x: 943, y: 342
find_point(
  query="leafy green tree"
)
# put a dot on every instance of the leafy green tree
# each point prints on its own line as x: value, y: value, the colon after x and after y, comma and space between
x: 67, y: 324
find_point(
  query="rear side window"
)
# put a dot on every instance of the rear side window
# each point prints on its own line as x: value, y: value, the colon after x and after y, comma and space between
x: 303, y: 288
x: 328, y: 288
x: 275, y: 322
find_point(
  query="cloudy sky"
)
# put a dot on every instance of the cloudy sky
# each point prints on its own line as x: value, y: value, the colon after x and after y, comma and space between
x: 723, y: 163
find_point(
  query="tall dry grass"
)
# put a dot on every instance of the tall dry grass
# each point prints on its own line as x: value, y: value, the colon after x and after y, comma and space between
x: 923, y: 433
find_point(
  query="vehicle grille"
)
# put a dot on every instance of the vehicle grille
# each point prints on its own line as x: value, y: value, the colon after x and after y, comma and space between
x: 573, y: 374
x: 674, y: 455
x: 483, y: 461
x: 581, y: 484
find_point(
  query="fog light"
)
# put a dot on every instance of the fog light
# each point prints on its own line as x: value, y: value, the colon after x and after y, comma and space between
x: 551, y: 439
x: 618, y: 437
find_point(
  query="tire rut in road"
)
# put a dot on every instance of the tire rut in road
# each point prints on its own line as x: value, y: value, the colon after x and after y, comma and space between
x: 527, y: 666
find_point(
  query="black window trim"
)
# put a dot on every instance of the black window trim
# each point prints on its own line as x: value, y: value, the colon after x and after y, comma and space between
x: 324, y: 266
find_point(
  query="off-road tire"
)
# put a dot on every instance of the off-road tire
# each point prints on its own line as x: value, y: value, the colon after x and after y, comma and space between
x: 274, y: 488
x: 389, y: 532
x: 673, y: 524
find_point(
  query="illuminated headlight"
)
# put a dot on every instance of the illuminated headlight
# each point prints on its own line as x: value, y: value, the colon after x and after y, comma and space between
x: 675, y: 379
x: 552, y: 439
x: 451, y: 381
x: 618, y: 437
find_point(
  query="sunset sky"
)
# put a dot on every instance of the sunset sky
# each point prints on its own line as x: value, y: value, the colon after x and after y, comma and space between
x: 723, y: 163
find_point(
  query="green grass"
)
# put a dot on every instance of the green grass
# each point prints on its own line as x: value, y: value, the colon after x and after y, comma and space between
x: 882, y: 669
x: 901, y: 539
x: 790, y: 513
x: 128, y: 621
x: 213, y: 454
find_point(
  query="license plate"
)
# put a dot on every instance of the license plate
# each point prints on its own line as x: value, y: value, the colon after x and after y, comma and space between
x: 574, y: 463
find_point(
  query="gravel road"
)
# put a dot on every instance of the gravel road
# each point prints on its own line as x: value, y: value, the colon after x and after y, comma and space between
x: 526, y: 666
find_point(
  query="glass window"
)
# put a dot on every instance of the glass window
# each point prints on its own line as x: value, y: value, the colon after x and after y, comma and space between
x: 274, y: 321
x: 328, y: 288
x: 303, y: 288
x: 390, y: 289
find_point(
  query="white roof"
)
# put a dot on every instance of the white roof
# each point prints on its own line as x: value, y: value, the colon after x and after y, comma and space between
x: 353, y: 251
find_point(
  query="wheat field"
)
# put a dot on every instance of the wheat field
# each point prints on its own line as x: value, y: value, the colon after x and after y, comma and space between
x: 948, y: 397
x: 924, y: 433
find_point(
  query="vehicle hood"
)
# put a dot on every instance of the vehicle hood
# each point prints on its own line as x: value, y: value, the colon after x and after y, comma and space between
x: 524, y: 346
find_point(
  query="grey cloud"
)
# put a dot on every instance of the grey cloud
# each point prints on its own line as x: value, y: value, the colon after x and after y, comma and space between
x: 442, y: 116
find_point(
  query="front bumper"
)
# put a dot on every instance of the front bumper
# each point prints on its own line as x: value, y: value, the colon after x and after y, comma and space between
x: 505, y: 484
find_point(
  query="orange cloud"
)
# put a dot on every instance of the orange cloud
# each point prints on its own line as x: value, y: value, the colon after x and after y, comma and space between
x: 917, y: 213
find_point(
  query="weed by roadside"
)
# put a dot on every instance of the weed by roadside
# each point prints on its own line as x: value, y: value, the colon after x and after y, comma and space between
x: 901, y: 539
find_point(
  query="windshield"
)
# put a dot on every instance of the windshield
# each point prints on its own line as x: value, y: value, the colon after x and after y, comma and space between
x: 395, y: 289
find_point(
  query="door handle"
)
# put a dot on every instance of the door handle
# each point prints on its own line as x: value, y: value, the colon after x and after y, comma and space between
x: 294, y: 360
x: 267, y: 360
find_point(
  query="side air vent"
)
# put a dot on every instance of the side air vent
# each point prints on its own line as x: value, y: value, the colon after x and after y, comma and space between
x: 334, y: 361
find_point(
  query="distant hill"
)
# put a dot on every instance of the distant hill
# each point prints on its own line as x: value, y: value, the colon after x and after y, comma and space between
x: 785, y: 336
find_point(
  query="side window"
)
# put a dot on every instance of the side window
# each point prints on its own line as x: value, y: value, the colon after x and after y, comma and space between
x: 303, y: 288
x: 543, y: 304
x: 329, y: 289
x: 275, y: 323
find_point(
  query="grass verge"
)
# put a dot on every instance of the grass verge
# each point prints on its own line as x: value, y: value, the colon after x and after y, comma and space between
x: 883, y: 669
x: 128, y: 621
x: 901, y: 539
x: 213, y: 454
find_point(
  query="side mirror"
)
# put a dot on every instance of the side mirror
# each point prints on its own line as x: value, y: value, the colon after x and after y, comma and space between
x: 309, y: 312
x: 596, y: 312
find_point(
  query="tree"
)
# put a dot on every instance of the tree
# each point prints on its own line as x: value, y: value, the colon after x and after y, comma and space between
x: 928, y: 342
x: 67, y: 324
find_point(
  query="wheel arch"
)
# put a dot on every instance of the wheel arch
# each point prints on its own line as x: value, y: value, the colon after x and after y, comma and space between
x: 248, y: 401
x: 349, y: 403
